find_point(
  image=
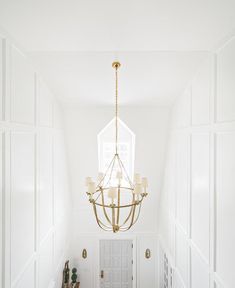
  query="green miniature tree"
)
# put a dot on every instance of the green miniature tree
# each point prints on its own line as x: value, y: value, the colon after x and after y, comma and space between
x: 74, y: 276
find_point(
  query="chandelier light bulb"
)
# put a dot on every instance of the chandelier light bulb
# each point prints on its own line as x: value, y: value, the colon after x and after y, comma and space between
x: 112, y: 193
x: 91, y: 187
x: 138, y: 189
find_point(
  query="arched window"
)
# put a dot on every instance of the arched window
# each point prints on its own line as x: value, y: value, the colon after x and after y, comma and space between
x: 126, y: 146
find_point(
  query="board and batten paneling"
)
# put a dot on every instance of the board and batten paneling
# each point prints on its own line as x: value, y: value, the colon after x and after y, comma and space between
x: 45, y: 263
x: 45, y: 182
x: 182, y: 180
x: 181, y: 110
x: 22, y: 201
x: 45, y: 104
x: 178, y: 282
x: 225, y: 100
x: 28, y: 278
x: 199, y: 271
x: 200, y: 192
x: 203, y: 254
x: 201, y: 93
x: 34, y: 246
x: 225, y: 202
x: 1, y: 77
x: 182, y: 255
x: 1, y: 203
x: 146, y: 267
x: 22, y: 88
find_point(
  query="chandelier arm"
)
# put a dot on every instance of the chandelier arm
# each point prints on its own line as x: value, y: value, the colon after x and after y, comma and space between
x: 119, y: 163
x: 110, y: 176
x: 97, y: 197
x: 103, y: 207
x: 122, y: 206
x: 129, y: 215
x: 99, y: 191
x: 97, y: 219
x: 105, y: 227
x: 110, y: 164
x: 133, y: 205
x: 113, y: 218
x: 136, y: 219
x: 100, y: 223
x: 118, y: 209
x: 113, y: 224
x: 132, y: 218
x: 106, y: 188
x: 123, y: 229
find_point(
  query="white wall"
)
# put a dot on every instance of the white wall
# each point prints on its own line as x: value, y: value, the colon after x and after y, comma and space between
x: 34, y: 191
x: 198, y: 199
x: 150, y: 126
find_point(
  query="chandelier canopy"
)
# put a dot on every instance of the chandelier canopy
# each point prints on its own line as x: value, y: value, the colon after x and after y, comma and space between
x: 116, y: 200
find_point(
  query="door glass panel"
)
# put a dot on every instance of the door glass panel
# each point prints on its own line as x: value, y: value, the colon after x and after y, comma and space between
x: 116, y: 264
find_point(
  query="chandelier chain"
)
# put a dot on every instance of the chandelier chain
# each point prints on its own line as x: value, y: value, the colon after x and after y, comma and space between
x: 116, y: 110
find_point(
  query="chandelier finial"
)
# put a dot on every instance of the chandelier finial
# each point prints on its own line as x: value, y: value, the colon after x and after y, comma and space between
x: 116, y: 65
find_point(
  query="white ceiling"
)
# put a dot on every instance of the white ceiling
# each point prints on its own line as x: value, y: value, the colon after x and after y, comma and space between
x: 70, y: 42
x: 145, y: 78
x: 109, y: 25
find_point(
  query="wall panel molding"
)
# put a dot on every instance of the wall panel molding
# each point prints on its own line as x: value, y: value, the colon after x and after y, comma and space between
x: 2, y: 68
x: 29, y: 120
x: 211, y: 190
x: 1, y: 204
x: 22, y: 88
x: 225, y: 85
x: 224, y: 189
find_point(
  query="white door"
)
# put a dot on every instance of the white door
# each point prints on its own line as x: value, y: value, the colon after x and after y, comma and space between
x: 116, y: 263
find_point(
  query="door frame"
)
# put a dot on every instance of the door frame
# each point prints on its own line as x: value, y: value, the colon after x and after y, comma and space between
x: 118, y: 237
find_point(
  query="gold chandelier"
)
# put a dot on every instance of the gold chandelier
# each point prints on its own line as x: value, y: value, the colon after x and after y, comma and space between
x: 116, y: 200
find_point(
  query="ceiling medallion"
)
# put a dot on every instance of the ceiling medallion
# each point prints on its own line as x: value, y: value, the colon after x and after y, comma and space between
x: 116, y: 200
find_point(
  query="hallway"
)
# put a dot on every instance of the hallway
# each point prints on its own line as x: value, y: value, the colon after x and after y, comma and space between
x: 168, y: 110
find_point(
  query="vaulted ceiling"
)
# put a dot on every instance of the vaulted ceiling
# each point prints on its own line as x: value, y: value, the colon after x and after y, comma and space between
x: 159, y: 42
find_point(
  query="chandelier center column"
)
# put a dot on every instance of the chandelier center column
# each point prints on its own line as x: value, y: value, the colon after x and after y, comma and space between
x: 116, y: 65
